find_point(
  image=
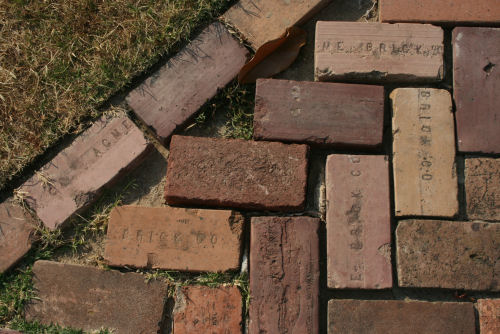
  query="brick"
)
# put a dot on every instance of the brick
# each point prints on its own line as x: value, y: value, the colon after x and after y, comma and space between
x: 260, y: 21
x: 424, y: 168
x: 236, y: 173
x: 319, y: 113
x: 358, y: 222
x: 90, y: 298
x: 172, y: 95
x: 378, y: 52
x: 8, y: 331
x: 201, y: 309
x: 482, y: 188
x: 448, y: 254
x: 476, y: 83
x: 284, y: 275
x: 397, y: 316
x: 174, y: 238
x: 489, y: 315
x: 443, y: 11
x: 76, y: 176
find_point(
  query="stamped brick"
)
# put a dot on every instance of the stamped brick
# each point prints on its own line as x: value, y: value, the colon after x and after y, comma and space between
x: 378, y: 52
x: 201, y: 309
x: 358, y: 222
x: 174, y: 238
x: 476, y: 83
x: 489, y: 315
x: 448, y: 254
x: 424, y: 168
x: 397, y: 316
x: 172, y: 95
x: 236, y: 173
x: 319, y: 113
x: 482, y: 188
x: 76, y: 176
x: 284, y: 275
x: 90, y: 299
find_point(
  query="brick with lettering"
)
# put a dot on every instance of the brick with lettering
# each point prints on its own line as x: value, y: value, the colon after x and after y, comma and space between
x: 425, y: 179
x: 202, y: 309
x: 236, y: 173
x: 173, y: 94
x: 174, y: 238
x: 476, y: 83
x: 90, y: 298
x: 448, y: 254
x: 489, y: 315
x: 358, y: 222
x: 398, y: 316
x: 378, y: 52
x: 319, y: 113
x: 482, y: 188
x: 284, y: 275
x: 76, y: 176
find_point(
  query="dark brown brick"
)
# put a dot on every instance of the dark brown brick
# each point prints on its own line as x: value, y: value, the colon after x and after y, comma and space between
x: 482, y: 188
x: 236, y: 173
x: 489, y: 315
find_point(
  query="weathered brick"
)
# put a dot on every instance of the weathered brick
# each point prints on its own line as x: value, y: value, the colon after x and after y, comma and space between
x: 172, y: 95
x: 489, y: 315
x: 476, y: 83
x: 284, y: 275
x: 90, y: 298
x: 200, y: 309
x: 319, y: 113
x: 482, y: 188
x: 76, y: 176
x: 397, y: 316
x: 174, y: 238
x: 378, y: 52
x: 358, y: 222
x: 8, y: 331
x: 424, y: 168
x: 448, y: 254
x: 236, y: 173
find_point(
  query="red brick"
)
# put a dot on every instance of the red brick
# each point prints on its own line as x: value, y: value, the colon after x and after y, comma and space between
x: 358, y: 222
x: 448, y: 254
x: 172, y: 95
x: 90, y: 298
x: 284, y: 275
x: 476, y: 83
x: 319, y: 113
x: 378, y: 52
x: 77, y: 175
x: 200, y: 309
x: 236, y: 173
x: 174, y: 238
x: 397, y: 316
x: 482, y: 188
x: 489, y: 315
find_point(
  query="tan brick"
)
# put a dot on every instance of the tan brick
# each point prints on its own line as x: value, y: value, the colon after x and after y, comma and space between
x: 489, y: 315
x: 482, y: 188
x: 8, y: 331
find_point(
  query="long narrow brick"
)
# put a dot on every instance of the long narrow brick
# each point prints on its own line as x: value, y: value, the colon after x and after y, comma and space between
x: 397, y: 316
x: 476, y: 83
x: 174, y: 238
x: 319, y: 113
x: 76, y: 176
x: 172, y: 95
x: 90, y: 299
x: 8, y: 331
x: 284, y: 275
x: 448, y: 254
x: 489, y: 315
x: 482, y: 188
x: 358, y: 222
x: 424, y: 168
x: 378, y: 52
x: 236, y: 173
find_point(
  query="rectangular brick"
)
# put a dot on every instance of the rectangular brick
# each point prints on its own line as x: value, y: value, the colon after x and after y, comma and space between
x: 174, y: 238
x: 482, y: 188
x: 236, y: 173
x: 424, y: 168
x: 75, y: 177
x: 284, y: 275
x: 172, y: 95
x: 476, y: 83
x: 319, y: 113
x: 378, y: 52
x: 358, y: 222
x: 90, y: 298
x: 448, y: 254
x: 489, y: 315
x: 8, y: 331
x: 398, y: 316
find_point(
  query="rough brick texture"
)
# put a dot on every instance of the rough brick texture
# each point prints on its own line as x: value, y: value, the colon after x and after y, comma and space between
x: 8, y: 331
x: 482, y: 188
x: 489, y: 315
